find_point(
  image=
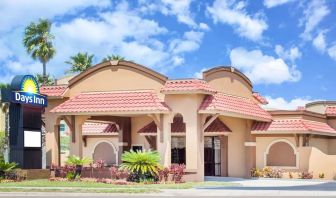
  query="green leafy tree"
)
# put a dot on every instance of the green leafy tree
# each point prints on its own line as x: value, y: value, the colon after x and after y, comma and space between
x: 113, y: 58
x: 142, y: 162
x: 38, y: 42
x: 44, y: 81
x: 4, y: 85
x: 80, y: 62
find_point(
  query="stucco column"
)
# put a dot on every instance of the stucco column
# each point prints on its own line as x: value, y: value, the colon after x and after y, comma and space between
x: 250, y: 150
x: 56, y: 148
x: 76, y: 147
x: 163, y: 140
x: 193, y: 140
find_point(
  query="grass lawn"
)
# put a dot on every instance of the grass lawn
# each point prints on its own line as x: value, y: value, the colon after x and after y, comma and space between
x: 92, y: 187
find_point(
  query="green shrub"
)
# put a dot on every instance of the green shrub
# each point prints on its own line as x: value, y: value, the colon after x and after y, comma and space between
x: 143, y: 165
x: 77, y: 161
x: 267, y: 172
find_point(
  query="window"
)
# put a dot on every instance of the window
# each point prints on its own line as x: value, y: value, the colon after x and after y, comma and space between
x: 178, y: 150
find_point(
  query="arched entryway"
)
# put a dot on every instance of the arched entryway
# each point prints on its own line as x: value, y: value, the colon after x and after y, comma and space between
x: 106, y: 151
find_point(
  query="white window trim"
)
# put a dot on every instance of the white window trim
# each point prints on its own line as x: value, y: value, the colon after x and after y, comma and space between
x: 297, y: 160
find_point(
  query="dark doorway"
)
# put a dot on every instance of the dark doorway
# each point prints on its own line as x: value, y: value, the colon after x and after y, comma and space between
x: 212, y: 156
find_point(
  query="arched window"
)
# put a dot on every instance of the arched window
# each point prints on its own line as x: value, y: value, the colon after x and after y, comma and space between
x: 281, y: 153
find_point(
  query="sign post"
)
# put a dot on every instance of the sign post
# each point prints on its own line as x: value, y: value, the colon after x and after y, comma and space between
x: 25, y: 108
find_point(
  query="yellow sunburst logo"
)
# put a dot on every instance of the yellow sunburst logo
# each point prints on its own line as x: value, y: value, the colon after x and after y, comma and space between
x: 29, y: 85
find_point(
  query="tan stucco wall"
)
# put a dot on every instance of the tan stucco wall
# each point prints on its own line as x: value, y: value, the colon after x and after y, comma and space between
x: 236, y: 147
x: 116, y: 78
x: 230, y: 83
x: 91, y: 142
x: 137, y: 124
x: 320, y: 143
x: 318, y: 162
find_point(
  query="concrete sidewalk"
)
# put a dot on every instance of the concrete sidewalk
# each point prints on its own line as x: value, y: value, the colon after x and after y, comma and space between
x: 245, y: 188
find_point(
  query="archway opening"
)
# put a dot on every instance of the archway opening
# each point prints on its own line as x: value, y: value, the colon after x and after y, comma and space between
x: 178, y: 140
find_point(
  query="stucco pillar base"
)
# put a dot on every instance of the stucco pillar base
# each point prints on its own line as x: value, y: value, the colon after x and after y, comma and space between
x: 250, y: 152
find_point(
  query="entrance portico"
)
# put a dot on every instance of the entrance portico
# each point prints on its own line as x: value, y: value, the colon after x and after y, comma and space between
x: 174, y: 117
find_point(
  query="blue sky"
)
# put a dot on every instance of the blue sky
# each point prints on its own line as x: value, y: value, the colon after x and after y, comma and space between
x: 286, y: 47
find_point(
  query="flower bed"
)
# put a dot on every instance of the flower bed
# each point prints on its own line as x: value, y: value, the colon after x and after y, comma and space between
x: 115, y: 175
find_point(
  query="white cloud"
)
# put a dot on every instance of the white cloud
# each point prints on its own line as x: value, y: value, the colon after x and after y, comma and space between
x: 332, y: 52
x: 204, y: 26
x: 5, y: 52
x: 15, y: 13
x: 274, y: 3
x: 281, y: 103
x: 191, y: 41
x: 177, y: 60
x: 178, y: 8
x: 233, y: 13
x: 313, y: 15
x: 199, y: 74
x: 319, y: 41
x: 262, y: 68
x: 291, y: 54
x: 117, y: 32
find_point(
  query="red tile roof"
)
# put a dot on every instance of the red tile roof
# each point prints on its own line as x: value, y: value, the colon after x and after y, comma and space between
x: 143, y: 101
x: 149, y: 128
x: 53, y: 90
x: 217, y: 126
x: 187, y: 85
x: 330, y: 111
x: 260, y: 98
x: 292, y: 126
x: 235, y: 106
x: 93, y: 128
x: 179, y: 127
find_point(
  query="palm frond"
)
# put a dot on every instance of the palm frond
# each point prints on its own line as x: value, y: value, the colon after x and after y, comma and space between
x: 141, y: 162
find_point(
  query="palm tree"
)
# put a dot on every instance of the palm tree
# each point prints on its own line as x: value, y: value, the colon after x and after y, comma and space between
x: 48, y: 80
x: 80, y: 62
x: 38, y: 42
x: 113, y: 58
x: 141, y: 163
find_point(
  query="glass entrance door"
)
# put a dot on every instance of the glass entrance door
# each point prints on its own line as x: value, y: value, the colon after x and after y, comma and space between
x: 212, y: 156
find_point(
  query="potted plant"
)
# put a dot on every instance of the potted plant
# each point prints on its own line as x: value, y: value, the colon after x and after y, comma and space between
x: 78, y: 163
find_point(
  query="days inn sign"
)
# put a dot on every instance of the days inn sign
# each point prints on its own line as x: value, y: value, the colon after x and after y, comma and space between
x: 26, y: 91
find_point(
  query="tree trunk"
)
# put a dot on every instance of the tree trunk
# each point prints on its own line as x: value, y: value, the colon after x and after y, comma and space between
x: 44, y: 73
